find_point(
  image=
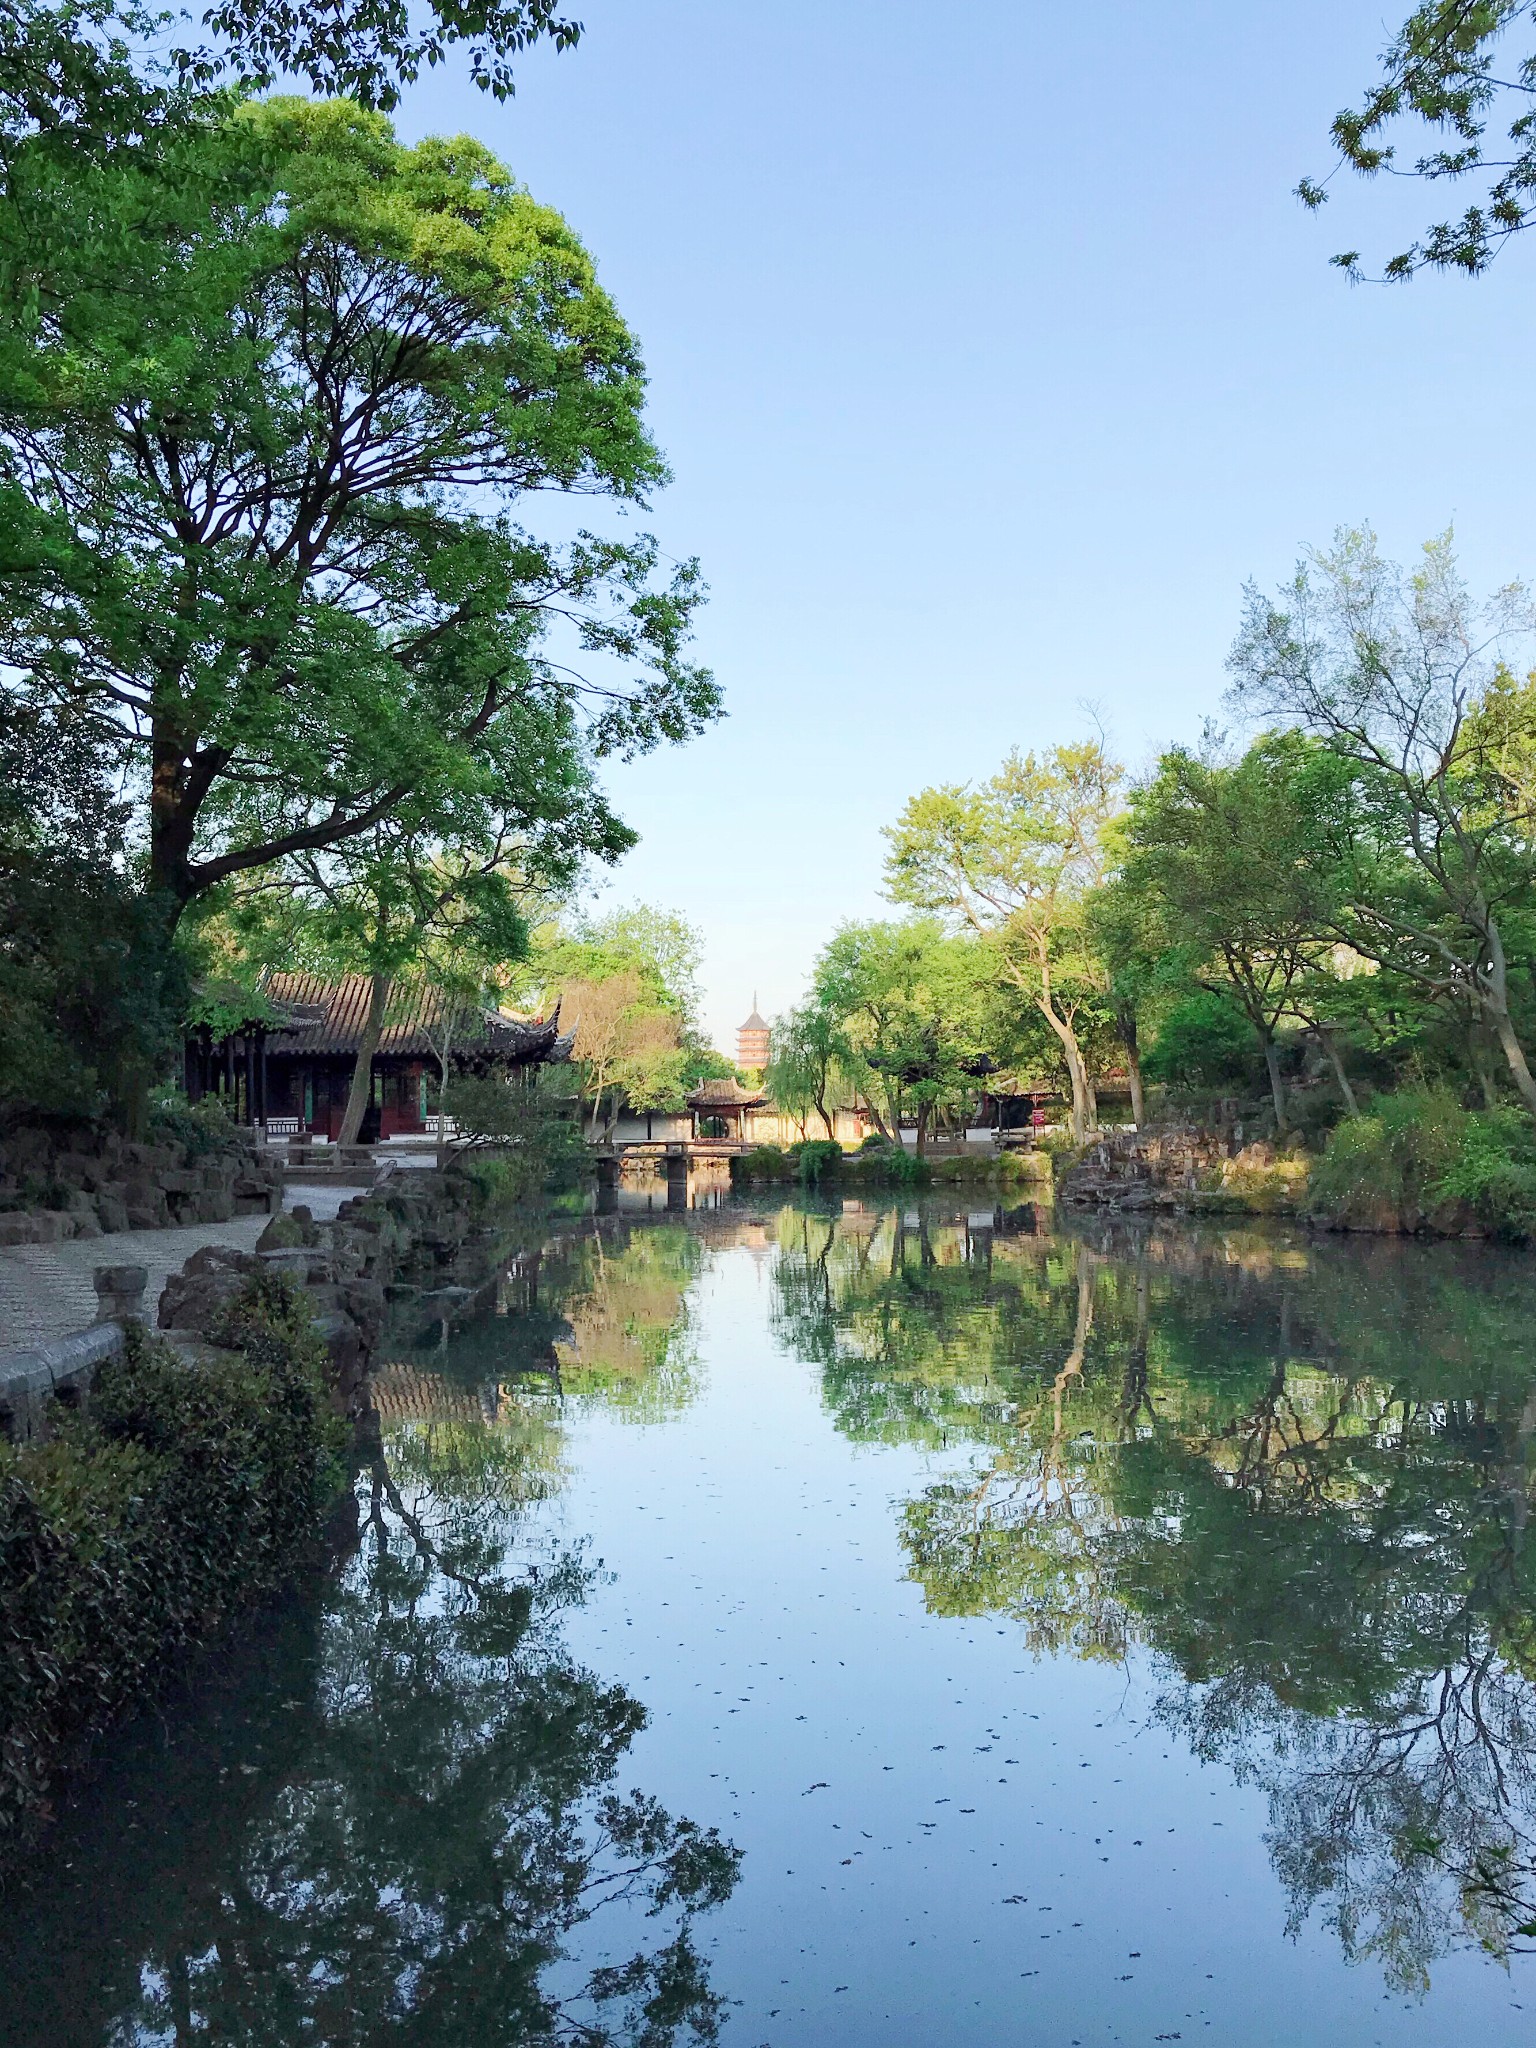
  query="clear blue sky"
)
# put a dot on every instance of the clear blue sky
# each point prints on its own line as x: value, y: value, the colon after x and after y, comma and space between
x: 991, y: 359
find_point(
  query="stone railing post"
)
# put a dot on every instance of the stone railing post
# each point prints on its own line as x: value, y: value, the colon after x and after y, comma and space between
x: 120, y: 1293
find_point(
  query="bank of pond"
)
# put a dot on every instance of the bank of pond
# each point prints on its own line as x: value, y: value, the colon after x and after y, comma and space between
x: 878, y: 1619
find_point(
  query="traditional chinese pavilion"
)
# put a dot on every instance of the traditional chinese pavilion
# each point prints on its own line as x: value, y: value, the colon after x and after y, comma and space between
x: 291, y: 1069
x: 720, y: 1108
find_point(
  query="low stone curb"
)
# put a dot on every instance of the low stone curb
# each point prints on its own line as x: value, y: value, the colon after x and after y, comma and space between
x: 62, y: 1371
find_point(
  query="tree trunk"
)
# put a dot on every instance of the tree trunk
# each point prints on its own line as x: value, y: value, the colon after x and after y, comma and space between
x: 1495, y: 995
x: 1131, y: 1040
x: 821, y: 1107
x: 922, y: 1128
x: 1045, y: 1002
x: 1480, y: 1059
x: 362, y: 1073
x: 1077, y: 1072
x: 1276, y: 1085
x: 442, y: 1108
x: 170, y: 829
x: 879, y: 1121
x: 1351, y: 1106
x: 1514, y: 1052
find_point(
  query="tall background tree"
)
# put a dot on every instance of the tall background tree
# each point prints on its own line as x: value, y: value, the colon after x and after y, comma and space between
x: 1016, y: 859
x: 627, y: 985
x: 1219, y: 859
x: 1434, y: 840
x: 808, y: 1053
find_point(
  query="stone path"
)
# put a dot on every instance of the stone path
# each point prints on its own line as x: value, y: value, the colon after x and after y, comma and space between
x: 46, y: 1290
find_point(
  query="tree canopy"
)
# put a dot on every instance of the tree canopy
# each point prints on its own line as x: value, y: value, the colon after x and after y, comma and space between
x: 1456, y: 69
x: 258, y: 508
x: 1015, y: 858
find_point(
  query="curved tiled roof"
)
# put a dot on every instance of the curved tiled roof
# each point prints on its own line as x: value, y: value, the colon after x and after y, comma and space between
x: 725, y: 1095
x: 321, y: 1016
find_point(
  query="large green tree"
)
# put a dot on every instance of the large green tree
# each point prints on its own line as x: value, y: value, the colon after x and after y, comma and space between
x: 903, y: 1008
x: 1432, y: 834
x: 627, y: 984
x: 1221, y: 855
x: 807, y: 1052
x: 257, y: 504
x: 1015, y: 858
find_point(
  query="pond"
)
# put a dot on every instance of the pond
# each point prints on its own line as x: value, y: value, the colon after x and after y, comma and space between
x: 871, y: 1624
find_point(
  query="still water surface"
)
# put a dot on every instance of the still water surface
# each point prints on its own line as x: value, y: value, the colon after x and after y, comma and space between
x: 879, y: 1626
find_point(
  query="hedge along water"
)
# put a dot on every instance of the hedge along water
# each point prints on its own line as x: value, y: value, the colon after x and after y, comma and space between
x: 180, y: 1497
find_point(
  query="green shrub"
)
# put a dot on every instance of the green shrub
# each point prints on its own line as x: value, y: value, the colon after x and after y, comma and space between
x: 91, y: 989
x: 174, y: 1500
x: 1061, y: 1152
x: 203, y: 1127
x: 1382, y: 1167
x: 1033, y: 1165
x: 528, y: 1143
x: 763, y: 1165
x: 1419, y: 1150
x: 819, y: 1159
x: 903, y: 1169
x: 1495, y: 1172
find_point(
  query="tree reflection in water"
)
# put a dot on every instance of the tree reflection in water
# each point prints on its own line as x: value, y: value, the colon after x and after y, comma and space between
x: 1299, y: 1474
x: 425, y: 1841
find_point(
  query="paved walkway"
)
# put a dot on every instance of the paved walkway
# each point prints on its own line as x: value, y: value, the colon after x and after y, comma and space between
x: 47, y: 1290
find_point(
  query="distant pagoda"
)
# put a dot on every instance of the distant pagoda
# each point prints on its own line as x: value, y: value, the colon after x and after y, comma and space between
x: 752, y: 1042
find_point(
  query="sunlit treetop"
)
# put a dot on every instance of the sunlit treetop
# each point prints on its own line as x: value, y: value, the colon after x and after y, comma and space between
x: 1467, y: 70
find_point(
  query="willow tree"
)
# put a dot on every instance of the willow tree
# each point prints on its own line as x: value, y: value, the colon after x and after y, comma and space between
x: 259, y: 494
x: 806, y: 1051
x: 1015, y: 858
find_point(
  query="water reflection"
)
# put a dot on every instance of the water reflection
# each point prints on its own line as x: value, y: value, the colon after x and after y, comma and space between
x: 1290, y: 1479
x: 596, y: 1316
x: 1299, y: 1474
x: 399, y: 1817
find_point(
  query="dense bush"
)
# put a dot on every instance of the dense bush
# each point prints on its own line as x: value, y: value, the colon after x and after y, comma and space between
x: 763, y: 1165
x: 1205, y: 1041
x: 204, y: 1127
x: 89, y: 990
x: 818, y: 1159
x: 1418, y: 1152
x: 177, y: 1498
x: 526, y: 1142
x: 91, y: 987
x: 896, y: 1167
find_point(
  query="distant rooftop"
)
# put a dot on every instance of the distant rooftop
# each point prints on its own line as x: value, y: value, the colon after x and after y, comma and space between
x: 728, y: 1094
